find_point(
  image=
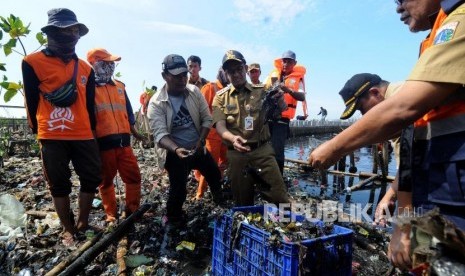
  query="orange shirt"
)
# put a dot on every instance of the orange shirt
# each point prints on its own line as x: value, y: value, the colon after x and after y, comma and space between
x: 69, y: 123
x: 291, y: 81
x: 110, y: 110
x: 209, y: 91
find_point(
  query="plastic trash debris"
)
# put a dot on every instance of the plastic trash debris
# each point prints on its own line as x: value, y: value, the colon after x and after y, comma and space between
x: 137, y: 260
x: 25, y: 272
x: 52, y: 220
x: 185, y: 245
x: 96, y: 203
x: 12, y: 213
x: 12, y: 217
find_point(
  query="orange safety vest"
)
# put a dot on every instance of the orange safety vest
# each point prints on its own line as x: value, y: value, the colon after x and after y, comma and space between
x: 453, y: 111
x: 291, y: 81
x: 209, y: 91
x: 110, y: 110
x: 60, y: 123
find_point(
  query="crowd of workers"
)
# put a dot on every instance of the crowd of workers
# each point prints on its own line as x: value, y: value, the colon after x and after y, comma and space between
x: 81, y: 114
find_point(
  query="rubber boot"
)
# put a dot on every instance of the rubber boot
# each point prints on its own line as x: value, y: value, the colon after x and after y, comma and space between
x: 109, y: 202
x: 133, y: 195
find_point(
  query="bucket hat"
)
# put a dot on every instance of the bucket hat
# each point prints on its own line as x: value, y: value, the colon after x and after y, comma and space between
x: 63, y: 18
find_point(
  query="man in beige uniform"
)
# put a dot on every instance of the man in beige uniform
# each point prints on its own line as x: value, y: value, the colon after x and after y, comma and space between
x: 362, y: 92
x: 435, y: 88
x: 240, y: 121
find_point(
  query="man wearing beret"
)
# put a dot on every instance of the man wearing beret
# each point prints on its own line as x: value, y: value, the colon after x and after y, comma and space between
x: 59, y: 90
x: 115, y: 124
x: 240, y: 120
x: 180, y: 120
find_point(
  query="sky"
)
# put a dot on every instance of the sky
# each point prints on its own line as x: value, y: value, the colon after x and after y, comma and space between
x: 333, y: 39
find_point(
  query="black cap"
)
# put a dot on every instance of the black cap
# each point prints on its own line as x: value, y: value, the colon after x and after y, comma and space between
x: 354, y: 88
x: 63, y: 18
x: 233, y: 55
x: 174, y: 64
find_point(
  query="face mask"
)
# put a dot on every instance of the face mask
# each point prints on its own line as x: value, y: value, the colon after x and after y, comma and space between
x: 103, y: 71
x: 62, y: 44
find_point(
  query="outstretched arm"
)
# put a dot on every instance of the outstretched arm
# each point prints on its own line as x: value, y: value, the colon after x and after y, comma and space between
x: 389, y: 117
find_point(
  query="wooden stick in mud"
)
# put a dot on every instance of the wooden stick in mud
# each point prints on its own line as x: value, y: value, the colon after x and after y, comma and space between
x: 74, y: 255
x: 361, y: 183
x: 120, y: 254
x: 121, y: 251
x: 39, y: 214
x: 361, y: 174
x: 80, y: 263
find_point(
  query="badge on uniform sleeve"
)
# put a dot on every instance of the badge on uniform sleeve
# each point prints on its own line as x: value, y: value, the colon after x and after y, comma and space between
x: 248, y: 123
x: 445, y: 33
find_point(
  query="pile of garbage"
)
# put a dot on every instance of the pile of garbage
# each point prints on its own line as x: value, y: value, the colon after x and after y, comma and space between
x: 32, y: 246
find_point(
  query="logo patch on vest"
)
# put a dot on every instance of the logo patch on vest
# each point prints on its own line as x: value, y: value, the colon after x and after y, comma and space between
x: 83, y: 80
x: 445, y: 33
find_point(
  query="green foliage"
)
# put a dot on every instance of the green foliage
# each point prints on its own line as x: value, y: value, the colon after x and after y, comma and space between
x: 8, y: 47
x: 41, y: 39
x: 4, y: 138
x: 150, y: 91
x: 15, y: 28
x: 11, y: 88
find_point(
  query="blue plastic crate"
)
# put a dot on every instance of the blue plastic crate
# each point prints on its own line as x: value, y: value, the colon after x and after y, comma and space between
x: 252, y: 255
x: 221, y: 247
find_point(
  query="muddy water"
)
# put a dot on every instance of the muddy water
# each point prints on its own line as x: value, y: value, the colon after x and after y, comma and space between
x: 300, y: 147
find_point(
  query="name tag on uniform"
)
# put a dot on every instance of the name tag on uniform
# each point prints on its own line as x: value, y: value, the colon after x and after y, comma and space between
x: 248, y: 123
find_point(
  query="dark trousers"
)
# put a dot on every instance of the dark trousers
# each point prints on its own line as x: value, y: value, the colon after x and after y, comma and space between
x: 268, y: 180
x: 178, y: 171
x: 56, y: 155
x: 279, y: 134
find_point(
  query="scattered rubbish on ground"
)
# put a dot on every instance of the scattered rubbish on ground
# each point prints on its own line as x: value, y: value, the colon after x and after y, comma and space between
x: 152, y: 248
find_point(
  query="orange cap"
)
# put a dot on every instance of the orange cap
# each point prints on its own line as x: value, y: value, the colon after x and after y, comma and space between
x: 98, y: 54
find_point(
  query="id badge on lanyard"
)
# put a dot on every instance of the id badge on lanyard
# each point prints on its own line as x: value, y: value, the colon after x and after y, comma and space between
x: 248, y: 121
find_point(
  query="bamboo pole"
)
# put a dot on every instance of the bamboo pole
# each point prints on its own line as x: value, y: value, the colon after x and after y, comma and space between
x: 74, y: 255
x: 121, y: 251
x: 39, y: 214
x: 82, y: 261
x: 120, y: 254
x: 361, y: 174
x: 361, y: 183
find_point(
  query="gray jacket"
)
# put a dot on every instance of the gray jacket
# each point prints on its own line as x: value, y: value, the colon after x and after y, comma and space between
x: 160, y: 114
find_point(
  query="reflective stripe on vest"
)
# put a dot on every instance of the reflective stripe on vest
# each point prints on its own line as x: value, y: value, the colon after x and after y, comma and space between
x: 110, y: 110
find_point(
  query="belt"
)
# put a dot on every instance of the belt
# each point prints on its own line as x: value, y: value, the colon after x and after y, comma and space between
x: 253, y: 146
